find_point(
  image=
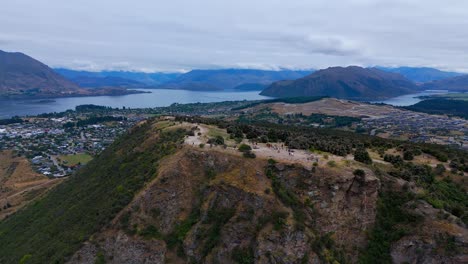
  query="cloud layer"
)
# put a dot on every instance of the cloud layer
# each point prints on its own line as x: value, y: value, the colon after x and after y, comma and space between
x: 185, y: 34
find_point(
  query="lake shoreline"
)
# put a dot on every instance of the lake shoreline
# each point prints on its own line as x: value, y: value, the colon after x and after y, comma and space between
x: 148, y: 99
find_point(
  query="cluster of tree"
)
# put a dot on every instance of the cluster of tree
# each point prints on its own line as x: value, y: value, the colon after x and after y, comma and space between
x: 299, y: 119
x: 55, y: 114
x: 288, y: 100
x: 459, y: 164
x: 440, y: 193
x: 92, y: 108
x: 362, y: 155
x: 337, y: 142
x: 247, y: 151
x: 13, y: 120
x: 218, y: 140
x: 94, y: 120
x: 442, y: 106
x: 396, y: 160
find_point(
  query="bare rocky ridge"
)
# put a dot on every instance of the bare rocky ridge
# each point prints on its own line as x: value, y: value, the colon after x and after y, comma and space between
x: 211, y: 205
x: 340, y: 203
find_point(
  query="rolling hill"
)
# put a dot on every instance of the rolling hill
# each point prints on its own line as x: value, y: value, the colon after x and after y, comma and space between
x: 350, y: 83
x: 228, y: 79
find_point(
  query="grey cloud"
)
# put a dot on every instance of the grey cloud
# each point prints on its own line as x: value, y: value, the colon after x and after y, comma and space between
x: 270, y: 34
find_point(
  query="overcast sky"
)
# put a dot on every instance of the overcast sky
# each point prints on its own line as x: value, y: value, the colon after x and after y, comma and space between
x: 174, y: 35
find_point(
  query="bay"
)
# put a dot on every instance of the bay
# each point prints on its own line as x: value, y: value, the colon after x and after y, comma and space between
x: 157, y: 98
x: 410, y: 99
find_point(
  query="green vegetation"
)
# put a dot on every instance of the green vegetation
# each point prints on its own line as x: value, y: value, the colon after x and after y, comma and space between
x: 442, y: 106
x: 362, y: 155
x: 100, y: 258
x: 243, y: 255
x: 287, y: 197
x: 288, y: 100
x: 327, y: 250
x: 8, y: 121
x: 447, y: 195
x: 443, y: 194
x: 299, y: 119
x: 54, y: 227
x: 94, y: 120
x: 390, y: 225
x: 76, y: 159
x: 91, y: 107
x: 332, y: 141
x: 218, y: 140
x: 452, y: 96
x: 150, y: 232
x: 216, y: 219
x: 249, y: 154
x: 247, y: 150
x: 244, y: 148
x: 181, y: 229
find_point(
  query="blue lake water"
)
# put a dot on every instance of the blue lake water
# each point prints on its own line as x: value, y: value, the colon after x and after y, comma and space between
x: 9, y: 108
x: 410, y: 99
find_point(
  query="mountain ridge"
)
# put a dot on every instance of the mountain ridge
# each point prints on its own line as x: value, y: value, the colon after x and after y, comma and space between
x: 227, y: 79
x: 22, y: 76
x: 148, y: 79
x: 350, y: 82
x: 420, y: 74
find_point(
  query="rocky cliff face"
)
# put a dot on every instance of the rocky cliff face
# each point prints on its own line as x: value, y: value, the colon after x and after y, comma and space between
x: 212, y: 207
x: 207, y: 206
x: 152, y: 197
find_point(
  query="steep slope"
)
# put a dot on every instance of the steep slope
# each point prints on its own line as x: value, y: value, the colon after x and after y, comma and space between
x: 19, y: 184
x: 24, y: 77
x: 229, y: 79
x: 421, y: 74
x: 456, y: 84
x: 54, y: 227
x: 213, y: 207
x: 153, y: 197
x: 20, y: 73
x: 351, y: 83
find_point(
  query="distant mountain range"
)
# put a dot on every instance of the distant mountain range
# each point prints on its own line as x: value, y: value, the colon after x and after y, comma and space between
x: 350, y: 82
x: 229, y: 79
x: 117, y: 78
x: 454, y: 84
x: 197, y: 80
x: 242, y: 79
x: 24, y: 77
x: 108, y: 81
x: 421, y: 74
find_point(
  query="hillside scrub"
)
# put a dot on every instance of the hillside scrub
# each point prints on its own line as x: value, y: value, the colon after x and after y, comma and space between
x: 53, y: 228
